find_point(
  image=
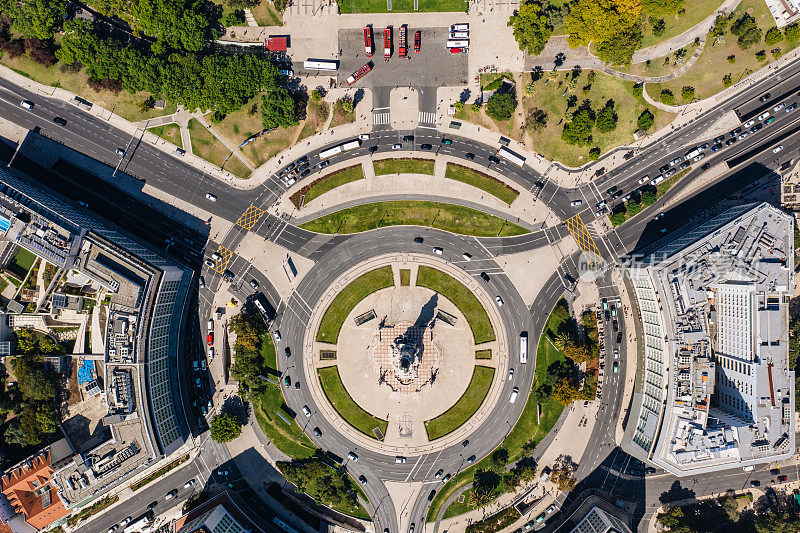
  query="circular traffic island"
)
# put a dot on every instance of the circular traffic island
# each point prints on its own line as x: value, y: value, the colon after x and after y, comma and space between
x: 406, y: 354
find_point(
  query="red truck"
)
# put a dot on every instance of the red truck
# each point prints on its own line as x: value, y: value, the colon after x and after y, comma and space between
x: 417, y: 41
x: 368, y: 46
x: 387, y: 43
x: 210, y: 339
x: 360, y: 73
x: 403, y: 47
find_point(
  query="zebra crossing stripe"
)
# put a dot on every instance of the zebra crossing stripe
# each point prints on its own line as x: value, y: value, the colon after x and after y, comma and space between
x: 427, y: 117
x: 380, y: 118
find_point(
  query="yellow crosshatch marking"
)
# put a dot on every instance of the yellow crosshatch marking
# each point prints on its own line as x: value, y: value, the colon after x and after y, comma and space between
x: 250, y: 217
x: 579, y: 230
x: 223, y: 263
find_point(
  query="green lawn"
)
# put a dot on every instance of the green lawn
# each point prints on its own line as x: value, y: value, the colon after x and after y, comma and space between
x: 401, y: 6
x: 696, y: 11
x: 346, y: 300
x: 707, y: 73
x: 465, y: 407
x: 403, y: 166
x: 268, y: 352
x: 551, y: 96
x: 462, y: 297
x: 327, y: 183
x: 525, y: 430
x: 208, y: 147
x: 482, y: 181
x: 405, y: 277
x: 447, y: 217
x: 288, y: 438
x: 343, y: 403
x: 24, y: 259
x: 170, y: 133
x: 266, y: 14
x: 483, y: 354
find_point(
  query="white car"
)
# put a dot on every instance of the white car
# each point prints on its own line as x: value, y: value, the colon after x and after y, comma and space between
x: 188, y: 484
x: 126, y: 521
x: 576, y: 203
x: 763, y: 115
x: 616, y: 353
x: 499, y: 301
x: 119, y: 151
x: 643, y: 180
x: 510, y: 374
x: 777, y: 149
x: 363, y: 137
x: 397, y: 146
x: 211, y: 197
x: 306, y: 411
x: 437, y: 251
x: 778, y: 108
x: 400, y: 460
x: 27, y: 104
x: 466, y: 256
x: 353, y: 457
x: 749, y: 123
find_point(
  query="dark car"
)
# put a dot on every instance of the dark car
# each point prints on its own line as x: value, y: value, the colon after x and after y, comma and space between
x: 287, y: 352
x: 485, y: 277
x: 774, y: 471
x: 408, y: 138
x: 636, y: 472
x: 152, y: 505
x: 730, y: 141
x: 782, y: 479
x: 60, y: 121
x: 736, y: 132
x: 305, y: 173
x: 719, y: 139
x: 619, y: 337
x: 494, y: 159
x: 469, y: 155
x: 615, y: 325
x: 663, y: 169
x: 613, y: 189
x: 227, y: 275
x: 706, y: 166
x: 764, y: 97
x: 302, y: 160
x: 755, y: 483
x: 716, y: 147
x: 287, y: 381
x: 425, y: 147
x: 317, y: 432
x: 431, y: 495
x: 649, y: 470
x: 373, y: 149
x: 447, y: 141
x: 419, y: 240
x: 465, y: 443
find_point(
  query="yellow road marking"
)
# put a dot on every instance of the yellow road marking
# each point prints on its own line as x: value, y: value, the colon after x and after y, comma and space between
x: 250, y: 217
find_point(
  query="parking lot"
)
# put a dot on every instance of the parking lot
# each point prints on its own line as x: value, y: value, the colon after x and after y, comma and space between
x: 433, y: 66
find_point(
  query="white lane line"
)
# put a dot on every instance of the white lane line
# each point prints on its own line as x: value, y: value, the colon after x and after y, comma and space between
x: 419, y: 460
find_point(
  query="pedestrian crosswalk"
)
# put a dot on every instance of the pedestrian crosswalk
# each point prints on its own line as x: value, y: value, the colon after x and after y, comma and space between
x: 381, y: 118
x: 426, y: 117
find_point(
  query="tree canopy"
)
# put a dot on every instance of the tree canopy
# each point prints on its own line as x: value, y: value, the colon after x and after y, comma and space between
x: 578, y: 131
x: 501, y: 105
x: 531, y: 27
x: 225, y: 427
x: 645, y: 120
x: 606, y: 120
x: 321, y: 481
x: 614, y: 26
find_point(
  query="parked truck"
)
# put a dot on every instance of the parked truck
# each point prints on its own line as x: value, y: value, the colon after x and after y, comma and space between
x: 368, y: 46
x: 387, y: 43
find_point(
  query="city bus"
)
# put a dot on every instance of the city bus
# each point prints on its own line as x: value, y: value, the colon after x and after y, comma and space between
x: 338, y: 149
x: 508, y: 155
x: 523, y: 347
x: 368, y: 40
x: 321, y: 64
x: 458, y: 44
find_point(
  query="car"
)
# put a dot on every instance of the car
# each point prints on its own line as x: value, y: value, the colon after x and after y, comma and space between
x: 499, y: 301
x: 699, y: 156
x: 616, y: 367
x: 290, y: 182
x: 550, y: 508
x: 730, y: 141
x: 749, y: 123
x: 466, y: 256
x: 60, y: 121
x: 619, y: 338
x: 736, y: 132
x: 470, y: 459
x: 446, y: 478
x: 763, y: 115
x: 216, y: 257
x: 777, y: 149
x: 151, y: 505
x: 458, y: 50
x: 317, y: 432
x: 27, y: 104
x: 438, y: 473
x: 362, y: 479
x: 227, y: 275
x: 306, y: 411
x: 119, y: 151
x: 683, y: 165
x: 774, y: 471
x: 636, y: 472
x: 764, y: 97
x: 510, y: 374
x: 719, y: 139
x: 209, y: 263
x: 201, y: 282
x: 411, y: 528
x: 663, y: 168
x: 254, y: 284
x: 397, y: 146
x: 743, y: 136
x: 540, y: 518
x: 180, y: 152
x: 302, y: 161
x: 305, y: 173
x: 669, y: 172
x: 171, y: 494
x: 125, y: 521
x: 494, y: 159
x: 716, y: 147
x: 448, y: 142
x: 782, y: 478
x: 211, y: 197
x: 363, y: 137
x: 417, y: 41
x: 222, y: 473
x: 352, y: 456
x: 615, y: 325
x: 576, y: 203
x: 323, y: 164
x: 485, y: 277
x: 674, y: 162
x: 658, y: 217
x: 287, y: 381
x: 528, y: 525
x: 705, y: 166
x: 291, y: 166
x: 465, y: 443
x: 769, y: 121
x: 287, y: 352
x: 425, y: 146
x: 469, y: 155
x: 791, y: 107
x: 611, y: 190
x: 755, y: 483
x: 399, y: 460
x: 189, y: 483
x: 437, y: 250
x: 649, y: 470
x: 408, y: 138
x: 778, y: 107
x: 373, y: 149
x: 616, y: 353
x: 643, y: 180
x: 419, y: 240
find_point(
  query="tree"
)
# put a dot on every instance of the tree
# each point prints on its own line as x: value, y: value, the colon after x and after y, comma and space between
x: 345, y: 103
x: 773, y: 36
x: 529, y: 89
x: 174, y: 24
x: 612, y: 25
x: 235, y: 18
x: 747, y: 30
x: 687, y: 92
x: 792, y: 32
x: 619, y: 49
x: 38, y: 19
x: 667, y: 97
x: 565, y: 390
x: 727, y: 80
x: 531, y: 27
x: 501, y: 105
x: 536, y: 119
x: 662, y: 7
x: 500, y: 458
x: 562, y: 339
x: 278, y: 109
x: 606, y: 120
x: 41, y: 51
x: 732, y: 59
x: 575, y: 351
x: 458, y: 106
x: 579, y: 130
x: 318, y: 94
x: 658, y: 26
x: 617, y: 218
x: 323, y: 482
x: 649, y: 197
x: 225, y: 427
x: 594, y: 153
x: 761, y: 55
x: 484, y: 486
x: 13, y: 47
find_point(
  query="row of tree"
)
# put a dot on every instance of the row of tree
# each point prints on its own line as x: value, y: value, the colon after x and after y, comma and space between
x: 321, y: 480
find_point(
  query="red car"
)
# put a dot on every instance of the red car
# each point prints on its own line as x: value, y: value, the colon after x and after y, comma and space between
x: 417, y: 41
x: 782, y: 479
x: 210, y: 339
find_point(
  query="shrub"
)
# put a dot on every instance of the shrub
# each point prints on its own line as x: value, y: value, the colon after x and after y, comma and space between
x: 667, y: 97
x: 501, y: 106
x: 727, y: 80
x: 529, y: 90
x: 659, y: 26
x: 761, y: 55
x: 235, y: 18
x: 475, y: 107
x: 687, y: 92
x: 594, y: 153
x: 458, y: 106
x: 318, y: 94
x: 637, y: 90
x: 732, y: 59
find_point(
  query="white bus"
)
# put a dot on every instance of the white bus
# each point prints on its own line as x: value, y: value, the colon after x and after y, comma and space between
x: 464, y: 26
x: 458, y: 44
x: 351, y: 145
x: 523, y: 347
x: 338, y: 149
x: 507, y: 154
x: 320, y: 64
x: 459, y: 35
x: 139, y: 524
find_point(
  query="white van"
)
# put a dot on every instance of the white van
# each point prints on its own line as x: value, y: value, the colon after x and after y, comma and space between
x: 464, y: 26
x: 216, y: 257
x: 210, y: 326
x: 459, y: 35
x: 306, y: 411
x: 514, y: 394
x: 458, y: 44
x: 211, y: 353
x: 27, y: 104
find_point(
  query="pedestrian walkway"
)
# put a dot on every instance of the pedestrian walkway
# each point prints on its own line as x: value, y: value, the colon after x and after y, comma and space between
x: 426, y: 117
x: 381, y: 118
x: 251, y: 20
